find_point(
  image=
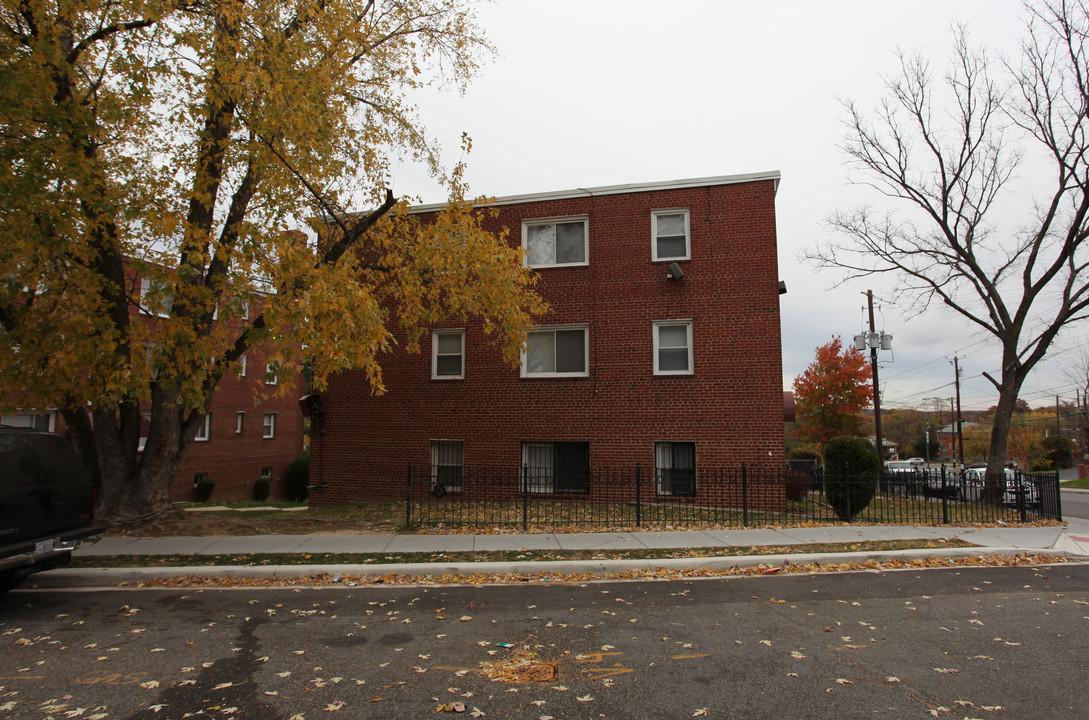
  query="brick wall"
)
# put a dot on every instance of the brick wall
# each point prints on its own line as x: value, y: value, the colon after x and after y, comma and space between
x: 731, y: 407
x: 235, y: 460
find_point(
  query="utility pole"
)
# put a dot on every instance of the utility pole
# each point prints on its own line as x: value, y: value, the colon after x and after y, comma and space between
x: 876, y: 386
x: 876, y: 341
x: 953, y: 424
x: 960, y: 421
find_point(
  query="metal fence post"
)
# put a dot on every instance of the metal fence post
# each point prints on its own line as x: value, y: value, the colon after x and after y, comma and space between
x: 408, y: 497
x: 638, y: 494
x: 1022, y: 491
x: 525, y: 499
x: 744, y: 495
x: 945, y: 500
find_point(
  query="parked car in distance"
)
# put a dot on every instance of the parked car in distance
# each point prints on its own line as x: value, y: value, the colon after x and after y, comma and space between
x: 1016, y: 486
x: 47, y: 500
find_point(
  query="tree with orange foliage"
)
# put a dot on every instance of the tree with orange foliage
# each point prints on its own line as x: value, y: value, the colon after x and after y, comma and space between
x: 832, y: 392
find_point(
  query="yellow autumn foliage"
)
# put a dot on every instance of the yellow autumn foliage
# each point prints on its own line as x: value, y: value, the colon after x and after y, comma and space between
x: 202, y: 146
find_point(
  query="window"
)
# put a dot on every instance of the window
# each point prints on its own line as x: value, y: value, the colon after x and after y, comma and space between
x: 197, y: 477
x: 245, y: 310
x: 670, y: 231
x: 673, y: 347
x: 266, y: 472
x: 43, y: 421
x: 448, y: 355
x: 145, y: 428
x: 155, y: 297
x: 446, y: 463
x: 269, y: 427
x: 553, y: 243
x: 239, y: 417
x: 205, y: 429
x: 560, y: 467
x: 271, y: 378
x: 556, y: 352
x: 675, y: 468
x: 242, y: 366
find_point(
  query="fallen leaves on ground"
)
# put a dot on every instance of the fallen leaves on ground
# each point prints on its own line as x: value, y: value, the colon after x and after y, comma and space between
x: 323, y: 579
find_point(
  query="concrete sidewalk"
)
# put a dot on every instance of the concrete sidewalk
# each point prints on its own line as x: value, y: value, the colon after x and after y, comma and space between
x: 1071, y: 541
x: 1035, y: 538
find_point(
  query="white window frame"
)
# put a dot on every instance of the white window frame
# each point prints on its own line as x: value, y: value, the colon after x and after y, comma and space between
x: 242, y: 366
x: 31, y: 420
x: 147, y: 285
x: 654, y: 214
x: 268, y: 426
x: 584, y: 219
x: 272, y: 377
x: 266, y: 472
x: 205, y: 429
x: 585, y: 372
x: 658, y: 325
x: 239, y: 422
x: 435, y: 335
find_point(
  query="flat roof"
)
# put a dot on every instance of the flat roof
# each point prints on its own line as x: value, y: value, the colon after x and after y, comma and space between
x: 772, y: 175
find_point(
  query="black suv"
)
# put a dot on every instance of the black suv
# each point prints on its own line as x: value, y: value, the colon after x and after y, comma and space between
x: 47, y: 501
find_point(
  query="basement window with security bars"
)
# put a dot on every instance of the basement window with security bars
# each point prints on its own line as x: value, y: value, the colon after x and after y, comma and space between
x: 556, y: 467
x: 675, y: 468
x: 447, y: 464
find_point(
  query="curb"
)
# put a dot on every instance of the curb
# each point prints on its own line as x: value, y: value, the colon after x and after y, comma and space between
x: 107, y: 578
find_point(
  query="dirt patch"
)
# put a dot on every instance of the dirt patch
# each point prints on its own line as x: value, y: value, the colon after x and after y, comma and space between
x: 307, y: 522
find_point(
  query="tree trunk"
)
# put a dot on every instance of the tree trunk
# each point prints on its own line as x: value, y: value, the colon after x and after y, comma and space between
x: 1008, y: 390
x: 136, y: 485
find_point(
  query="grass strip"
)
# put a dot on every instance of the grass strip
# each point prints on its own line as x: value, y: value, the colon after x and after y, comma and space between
x: 260, y: 559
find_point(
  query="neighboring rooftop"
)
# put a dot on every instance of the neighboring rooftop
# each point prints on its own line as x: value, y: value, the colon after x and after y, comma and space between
x: 620, y: 189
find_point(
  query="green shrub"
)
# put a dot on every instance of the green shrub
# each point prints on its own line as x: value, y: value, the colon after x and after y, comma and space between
x: 203, y: 488
x: 260, y: 489
x: 808, y: 451
x: 852, y: 468
x: 297, y: 478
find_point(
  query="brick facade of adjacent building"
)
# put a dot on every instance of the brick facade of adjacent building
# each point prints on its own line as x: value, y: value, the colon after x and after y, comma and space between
x: 234, y: 460
x: 728, y: 406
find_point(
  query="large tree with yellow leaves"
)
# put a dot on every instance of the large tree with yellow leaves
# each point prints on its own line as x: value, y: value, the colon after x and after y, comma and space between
x: 189, y: 142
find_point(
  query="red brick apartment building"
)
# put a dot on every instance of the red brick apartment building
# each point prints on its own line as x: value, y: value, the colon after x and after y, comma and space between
x: 662, y: 349
x: 240, y: 442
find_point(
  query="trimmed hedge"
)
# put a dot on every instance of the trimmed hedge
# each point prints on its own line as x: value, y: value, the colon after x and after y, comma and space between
x: 203, y: 489
x: 852, y: 469
x: 297, y: 478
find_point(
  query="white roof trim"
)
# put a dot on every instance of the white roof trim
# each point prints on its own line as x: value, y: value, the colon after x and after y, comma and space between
x: 772, y: 175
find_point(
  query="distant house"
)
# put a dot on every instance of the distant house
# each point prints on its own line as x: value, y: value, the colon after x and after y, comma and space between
x: 240, y: 442
x: 888, y: 447
x: 947, y: 439
x: 662, y: 349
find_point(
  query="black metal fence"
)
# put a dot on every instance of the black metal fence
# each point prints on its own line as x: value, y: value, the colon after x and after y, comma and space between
x: 743, y: 496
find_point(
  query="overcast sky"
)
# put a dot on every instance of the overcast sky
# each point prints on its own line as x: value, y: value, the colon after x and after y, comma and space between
x: 586, y: 93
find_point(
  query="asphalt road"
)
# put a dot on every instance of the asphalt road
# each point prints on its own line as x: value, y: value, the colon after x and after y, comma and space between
x: 910, y: 644
x: 1075, y: 504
